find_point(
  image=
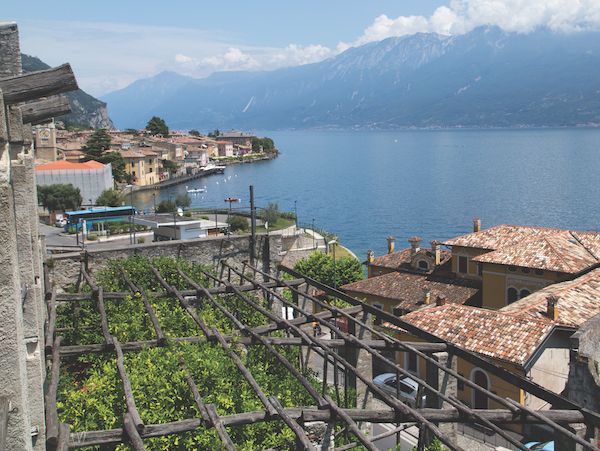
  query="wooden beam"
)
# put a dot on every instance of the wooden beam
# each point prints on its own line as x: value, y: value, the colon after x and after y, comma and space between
x: 52, y: 432
x: 132, y: 433
x: 42, y: 83
x: 135, y: 416
x: 4, y: 405
x: 45, y: 109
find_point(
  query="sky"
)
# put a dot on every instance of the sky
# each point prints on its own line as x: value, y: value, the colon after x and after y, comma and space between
x: 111, y: 43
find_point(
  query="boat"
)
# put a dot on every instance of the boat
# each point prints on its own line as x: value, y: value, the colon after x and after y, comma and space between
x: 195, y: 190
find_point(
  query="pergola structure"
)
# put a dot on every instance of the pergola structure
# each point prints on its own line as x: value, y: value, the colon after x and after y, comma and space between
x: 361, y: 342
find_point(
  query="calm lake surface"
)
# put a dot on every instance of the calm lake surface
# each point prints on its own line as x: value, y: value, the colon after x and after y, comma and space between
x: 367, y: 185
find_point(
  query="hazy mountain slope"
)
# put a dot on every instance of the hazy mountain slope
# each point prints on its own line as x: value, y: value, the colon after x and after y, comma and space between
x: 86, y: 110
x: 480, y: 79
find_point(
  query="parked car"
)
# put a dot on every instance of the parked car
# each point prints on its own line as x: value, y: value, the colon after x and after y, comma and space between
x: 408, y: 388
x: 541, y: 446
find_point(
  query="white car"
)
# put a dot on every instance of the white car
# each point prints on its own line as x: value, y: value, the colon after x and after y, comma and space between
x: 408, y: 388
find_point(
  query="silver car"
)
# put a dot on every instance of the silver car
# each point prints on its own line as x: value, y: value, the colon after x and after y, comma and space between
x: 408, y: 388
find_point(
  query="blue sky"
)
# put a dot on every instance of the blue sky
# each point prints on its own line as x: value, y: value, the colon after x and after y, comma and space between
x: 112, y: 43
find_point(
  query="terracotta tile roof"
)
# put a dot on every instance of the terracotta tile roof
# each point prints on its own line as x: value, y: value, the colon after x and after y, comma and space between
x: 407, y: 289
x: 402, y: 259
x: 563, y: 251
x: 492, y: 333
x: 136, y: 153
x: 500, y: 237
x: 63, y: 164
x: 579, y: 301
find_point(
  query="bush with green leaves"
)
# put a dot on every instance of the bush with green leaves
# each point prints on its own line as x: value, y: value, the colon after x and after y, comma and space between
x: 319, y: 266
x: 90, y: 395
x: 238, y: 223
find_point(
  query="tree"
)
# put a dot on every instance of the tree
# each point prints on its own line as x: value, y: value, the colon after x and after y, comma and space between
x: 270, y: 213
x: 166, y: 206
x: 61, y: 197
x: 109, y: 198
x: 267, y: 144
x: 214, y: 134
x: 194, y: 132
x: 97, y: 145
x: 170, y: 166
x: 319, y: 266
x: 157, y: 126
x: 238, y: 223
x: 132, y: 132
x: 118, y: 166
x: 183, y: 200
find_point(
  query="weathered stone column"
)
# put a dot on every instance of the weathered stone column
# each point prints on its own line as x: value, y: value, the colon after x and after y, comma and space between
x: 564, y: 443
x: 363, y: 362
x: 446, y: 384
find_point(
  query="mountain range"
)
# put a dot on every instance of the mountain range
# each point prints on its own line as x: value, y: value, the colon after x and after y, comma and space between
x: 484, y: 78
x: 85, y: 109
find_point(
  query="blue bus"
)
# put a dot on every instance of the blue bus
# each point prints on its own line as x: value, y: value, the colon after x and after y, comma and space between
x: 96, y: 214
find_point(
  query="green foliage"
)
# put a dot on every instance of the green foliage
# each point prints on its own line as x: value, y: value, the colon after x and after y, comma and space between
x: 319, y: 266
x: 183, y: 200
x: 194, y: 132
x: 214, y: 134
x: 270, y: 213
x: 132, y: 132
x: 238, y: 223
x: 166, y: 206
x: 436, y: 445
x: 141, y: 240
x: 110, y: 198
x: 157, y: 126
x: 266, y: 143
x: 288, y: 215
x: 97, y: 145
x: 92, y: 237
x: 117, y: 163
x: 90, y: 395
x: 59, y: 197
x: 170, y: 166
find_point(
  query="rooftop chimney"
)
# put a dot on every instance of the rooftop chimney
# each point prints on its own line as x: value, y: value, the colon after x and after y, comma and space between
x: 415, y: 242
x: 370, y: 256
x: 426, y: 295
x: 435, y: 248
x: 552, y: 311
x: 476, y: 225
x: 440, y: 300
x: 390, y: 240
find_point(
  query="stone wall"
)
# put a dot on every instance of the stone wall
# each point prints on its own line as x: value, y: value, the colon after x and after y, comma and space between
x: 208, y: 251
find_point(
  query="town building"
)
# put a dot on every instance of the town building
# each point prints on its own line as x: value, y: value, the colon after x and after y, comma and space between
x: 90, y: 177
x: 142, y: 164
x: 237, y: 137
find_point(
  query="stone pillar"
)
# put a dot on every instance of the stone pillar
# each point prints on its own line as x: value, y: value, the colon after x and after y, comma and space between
x: 363, y: 362
x: 446, y: 384
x: 564, y: 443
x: 34, y: 311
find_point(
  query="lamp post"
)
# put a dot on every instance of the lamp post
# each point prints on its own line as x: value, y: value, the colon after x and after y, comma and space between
x: 131, y: 216
x: 313, y: 234
x: 296, y: 212
x: 154, y: 201
x: 334, y: 242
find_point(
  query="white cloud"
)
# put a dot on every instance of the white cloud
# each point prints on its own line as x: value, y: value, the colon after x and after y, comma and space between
x: 233, y: 59
x: 522, y: 16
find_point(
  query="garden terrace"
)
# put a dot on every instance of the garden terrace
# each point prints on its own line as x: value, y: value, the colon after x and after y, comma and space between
x: 229, y: 319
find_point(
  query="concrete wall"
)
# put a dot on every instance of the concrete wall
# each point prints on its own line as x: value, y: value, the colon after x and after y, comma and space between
x: 583, y: 385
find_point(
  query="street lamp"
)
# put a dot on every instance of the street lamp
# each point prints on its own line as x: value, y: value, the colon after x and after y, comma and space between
x: 313, y: 234
x: 296, y: 212
x: 334, y: 242
x: 131, y: 223
x: 154, y: 201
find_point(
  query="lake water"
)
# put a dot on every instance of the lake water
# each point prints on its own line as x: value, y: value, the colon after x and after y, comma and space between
x: 367, y: 185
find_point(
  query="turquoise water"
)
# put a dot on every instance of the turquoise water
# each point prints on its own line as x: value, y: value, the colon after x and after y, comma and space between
x: 368, y: 185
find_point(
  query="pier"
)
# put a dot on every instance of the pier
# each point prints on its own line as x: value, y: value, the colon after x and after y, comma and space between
x: 182, y: 179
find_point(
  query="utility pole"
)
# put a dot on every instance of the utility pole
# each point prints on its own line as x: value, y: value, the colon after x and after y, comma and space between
x: 252, y: 226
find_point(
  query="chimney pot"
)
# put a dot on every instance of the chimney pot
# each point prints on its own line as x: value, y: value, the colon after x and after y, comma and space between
x: 426, y: 295
x: 435, y: 248
x: 476, y: 225
x: 415, y: 242
x: 440, y: 300
x: 552, y: 307
x: 390, y: 240
x: 370, y: 256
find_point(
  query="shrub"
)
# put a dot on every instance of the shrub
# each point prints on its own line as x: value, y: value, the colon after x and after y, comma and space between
x: 238, y: 223
x: 141, y: 240
x: 92, y: 237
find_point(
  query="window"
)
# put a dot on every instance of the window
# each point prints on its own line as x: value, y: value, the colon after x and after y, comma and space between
x: 423, y: 264
x: 479, y: 400
x: 525, y: 270
x: 479, y: 269
x: 463, y: 264
x: 411, y: 362
x: 132, y: 164
x: 539, y: 272
x: 511, y: 295
x: 150, y: 161
x: 523, y: 293
x: 133, y: 173
x: 150, y: 169
x: 377, y: 320
x: 512, y: 268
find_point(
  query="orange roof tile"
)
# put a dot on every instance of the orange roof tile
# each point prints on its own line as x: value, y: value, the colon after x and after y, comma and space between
x: 491, y: 333
x: 65, y: 165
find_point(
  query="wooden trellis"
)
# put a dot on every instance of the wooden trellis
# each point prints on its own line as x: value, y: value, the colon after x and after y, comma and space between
x: 324, y: 408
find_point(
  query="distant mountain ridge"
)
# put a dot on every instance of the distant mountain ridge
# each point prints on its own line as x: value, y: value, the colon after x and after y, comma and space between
x: 485, y: 78
x: 86, y: 110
